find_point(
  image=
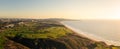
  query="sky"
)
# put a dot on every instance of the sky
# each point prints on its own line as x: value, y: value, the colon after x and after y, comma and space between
x: 70, y: 9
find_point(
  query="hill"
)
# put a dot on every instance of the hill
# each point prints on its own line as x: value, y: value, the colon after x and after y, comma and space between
x: 45, y: 35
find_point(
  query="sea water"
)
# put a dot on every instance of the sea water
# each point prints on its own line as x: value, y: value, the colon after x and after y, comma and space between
x: 100, y: 30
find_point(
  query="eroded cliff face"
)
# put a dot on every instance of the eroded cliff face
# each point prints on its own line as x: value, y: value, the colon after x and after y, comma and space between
x: 67, y: 42
x: 9, y: 44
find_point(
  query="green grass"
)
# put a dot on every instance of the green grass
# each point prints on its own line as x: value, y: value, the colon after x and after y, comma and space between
x: 31, y: 32
x: 2, y: 41
x: 52, y: 32
x: 115, y: 47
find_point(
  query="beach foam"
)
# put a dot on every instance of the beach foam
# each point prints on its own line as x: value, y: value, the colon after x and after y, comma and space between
x: 92, y: 36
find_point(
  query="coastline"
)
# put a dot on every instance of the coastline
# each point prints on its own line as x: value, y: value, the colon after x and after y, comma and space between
x: 76, y: 32
x: 90, y: 36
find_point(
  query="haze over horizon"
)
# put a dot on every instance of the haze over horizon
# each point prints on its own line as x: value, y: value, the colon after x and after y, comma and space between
x: 70, y: 9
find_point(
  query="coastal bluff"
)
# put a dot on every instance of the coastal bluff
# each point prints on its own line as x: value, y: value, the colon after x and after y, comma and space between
x: 44, y: 34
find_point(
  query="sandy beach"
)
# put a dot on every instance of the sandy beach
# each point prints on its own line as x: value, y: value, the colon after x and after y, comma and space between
x: 78, y: 32
x: 91, y: 36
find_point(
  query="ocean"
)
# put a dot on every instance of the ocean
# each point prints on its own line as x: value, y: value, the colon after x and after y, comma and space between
x: 99, y: 30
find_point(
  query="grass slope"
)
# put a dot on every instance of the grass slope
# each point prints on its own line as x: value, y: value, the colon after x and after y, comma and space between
x: 46, y: 35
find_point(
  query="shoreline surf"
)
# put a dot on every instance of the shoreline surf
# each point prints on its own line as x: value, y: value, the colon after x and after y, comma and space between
x: 90, y: 36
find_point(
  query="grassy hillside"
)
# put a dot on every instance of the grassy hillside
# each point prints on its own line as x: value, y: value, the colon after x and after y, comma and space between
x: 46, y: 35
